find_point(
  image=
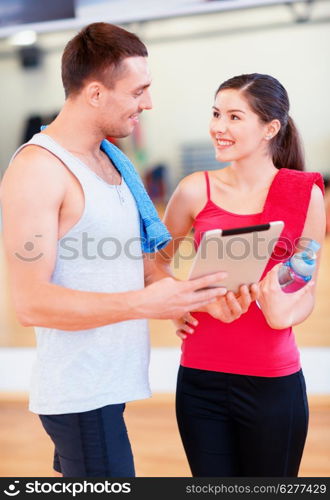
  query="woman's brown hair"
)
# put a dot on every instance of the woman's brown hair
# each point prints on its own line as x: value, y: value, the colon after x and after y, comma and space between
x: 269, y: 100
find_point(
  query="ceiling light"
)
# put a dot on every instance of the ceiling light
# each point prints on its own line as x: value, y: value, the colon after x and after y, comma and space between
x: 27, y: 37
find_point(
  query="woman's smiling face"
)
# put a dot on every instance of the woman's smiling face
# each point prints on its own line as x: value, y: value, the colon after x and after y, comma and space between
x: 235, y: 129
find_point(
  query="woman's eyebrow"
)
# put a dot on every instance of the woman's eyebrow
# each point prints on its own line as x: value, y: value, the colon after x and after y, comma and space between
x: 230, y: 110
x: 235, y: 111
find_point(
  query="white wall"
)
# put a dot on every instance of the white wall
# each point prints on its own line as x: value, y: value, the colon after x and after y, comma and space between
x: 164, y: 363
x: 24, y: 93
x: 185, y: 75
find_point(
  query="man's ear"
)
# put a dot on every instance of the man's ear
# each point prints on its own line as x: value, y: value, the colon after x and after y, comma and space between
x: 94, y: 93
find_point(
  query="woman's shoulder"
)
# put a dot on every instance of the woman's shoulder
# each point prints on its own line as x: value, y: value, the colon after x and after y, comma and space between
x: 193, y: 178
x: 301, y: 179
x: 191, y: 193
x: 193, y: 184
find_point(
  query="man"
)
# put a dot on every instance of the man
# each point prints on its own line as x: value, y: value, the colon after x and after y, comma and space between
x: 72, y: 236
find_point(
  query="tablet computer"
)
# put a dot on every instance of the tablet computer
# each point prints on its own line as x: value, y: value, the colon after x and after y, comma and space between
x: 242, y: 252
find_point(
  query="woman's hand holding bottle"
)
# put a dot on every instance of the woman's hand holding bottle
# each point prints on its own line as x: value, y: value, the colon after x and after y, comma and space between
x: 279, y: 308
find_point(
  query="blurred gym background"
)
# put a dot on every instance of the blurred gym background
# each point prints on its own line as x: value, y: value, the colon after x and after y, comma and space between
x: 193, y: 46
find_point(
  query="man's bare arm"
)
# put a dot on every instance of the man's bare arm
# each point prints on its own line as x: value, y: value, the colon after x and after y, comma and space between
x: 32, y: 192
x: 153, y: 270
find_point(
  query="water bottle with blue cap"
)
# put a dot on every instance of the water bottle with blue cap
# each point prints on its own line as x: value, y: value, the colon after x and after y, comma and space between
x: 298, y: 270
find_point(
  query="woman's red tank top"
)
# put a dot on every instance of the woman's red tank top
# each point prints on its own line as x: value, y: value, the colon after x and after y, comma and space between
x: 248, y: 345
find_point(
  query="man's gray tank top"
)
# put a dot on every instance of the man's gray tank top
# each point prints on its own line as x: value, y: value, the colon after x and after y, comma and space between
x: 77, y: 371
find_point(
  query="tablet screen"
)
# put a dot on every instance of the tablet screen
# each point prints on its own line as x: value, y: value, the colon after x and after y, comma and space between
x: 242, y: 252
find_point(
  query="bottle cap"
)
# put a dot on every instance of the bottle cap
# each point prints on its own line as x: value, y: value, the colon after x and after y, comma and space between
x: 304, y: 262
x: 309, y: 254
x: 313, y: 245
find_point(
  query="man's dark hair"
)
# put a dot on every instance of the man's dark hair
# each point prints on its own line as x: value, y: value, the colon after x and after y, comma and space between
x: 97, y: 51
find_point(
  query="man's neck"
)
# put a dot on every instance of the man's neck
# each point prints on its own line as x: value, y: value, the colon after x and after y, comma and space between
x: 73, y: 129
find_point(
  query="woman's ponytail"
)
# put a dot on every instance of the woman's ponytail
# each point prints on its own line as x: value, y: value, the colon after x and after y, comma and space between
x: 287, y: 149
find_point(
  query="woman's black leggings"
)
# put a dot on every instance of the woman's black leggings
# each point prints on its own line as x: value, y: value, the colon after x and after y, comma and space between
x: 239, y: 425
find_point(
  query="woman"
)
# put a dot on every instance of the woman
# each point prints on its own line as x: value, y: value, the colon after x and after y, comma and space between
x: 241, y: 398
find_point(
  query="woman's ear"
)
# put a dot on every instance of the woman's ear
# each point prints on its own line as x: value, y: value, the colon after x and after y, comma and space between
x: 272, y: 128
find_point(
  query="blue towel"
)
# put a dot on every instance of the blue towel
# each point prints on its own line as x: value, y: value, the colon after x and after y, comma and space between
x: 154, y: 234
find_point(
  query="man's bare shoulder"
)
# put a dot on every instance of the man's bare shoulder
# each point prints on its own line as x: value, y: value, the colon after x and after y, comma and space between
x: 34, y: 168
x: 36, y: 158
